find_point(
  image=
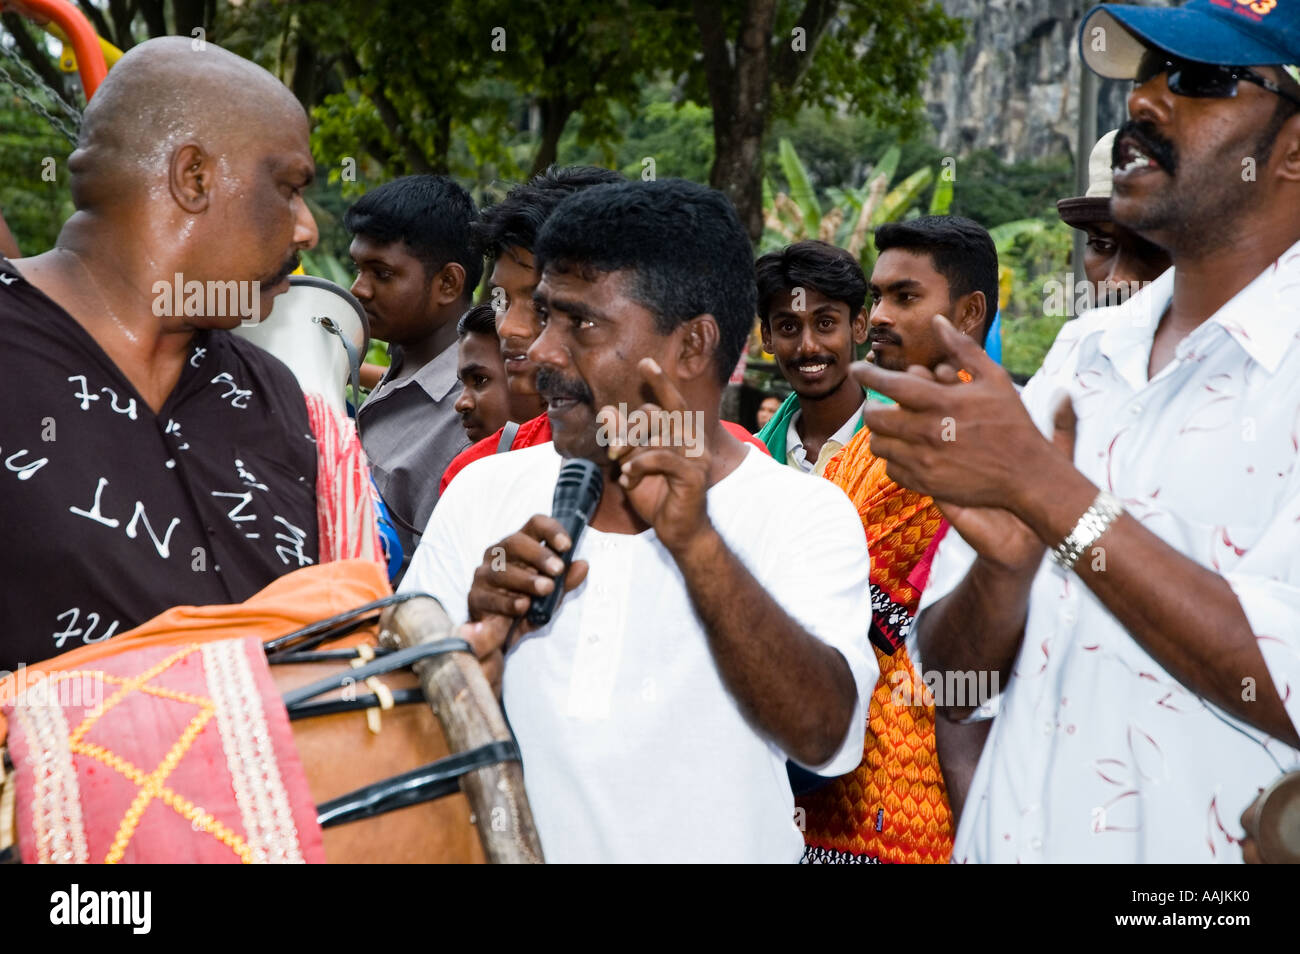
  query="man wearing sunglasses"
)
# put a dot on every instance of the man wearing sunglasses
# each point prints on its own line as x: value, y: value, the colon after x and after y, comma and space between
x: 1126, y: 554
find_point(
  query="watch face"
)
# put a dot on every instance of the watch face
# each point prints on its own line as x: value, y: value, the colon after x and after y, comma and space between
x: 1279, y: 821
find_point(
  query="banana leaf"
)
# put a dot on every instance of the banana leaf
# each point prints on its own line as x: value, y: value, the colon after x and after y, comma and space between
x: 801, y: 188
x: 941, y: 200
x: 1005, y: 235
x: 897, y: 202
x: 886, y: 165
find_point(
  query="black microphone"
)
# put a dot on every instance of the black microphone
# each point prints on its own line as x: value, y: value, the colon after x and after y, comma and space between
x: 577, y: 491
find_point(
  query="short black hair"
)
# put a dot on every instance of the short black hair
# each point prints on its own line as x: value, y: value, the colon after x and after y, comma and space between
x: 431, y: 214
x: 515, y: 221
x: 479, y: 320
x: 962, y: 251
x: 810, y: 264
x: 684, y: 243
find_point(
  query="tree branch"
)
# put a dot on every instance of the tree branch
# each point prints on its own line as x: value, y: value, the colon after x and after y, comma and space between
x: 414, y: 156
x: 790, y: 65
x: 121, y: 14
x: 96, y: 18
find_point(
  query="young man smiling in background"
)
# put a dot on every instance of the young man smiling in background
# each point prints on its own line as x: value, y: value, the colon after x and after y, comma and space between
x: 810, y: 305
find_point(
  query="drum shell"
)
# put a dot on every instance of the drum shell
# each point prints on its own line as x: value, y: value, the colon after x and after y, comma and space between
x: 340, y: 754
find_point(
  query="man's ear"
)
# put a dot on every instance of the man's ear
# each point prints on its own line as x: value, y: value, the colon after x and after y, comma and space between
x: 765, y: 331
x: 861, y: 326
x: 969, y: 312
x: 697, y: 349
x: 1287, y: 148
x: 190, y: 177
x: 448, y: 285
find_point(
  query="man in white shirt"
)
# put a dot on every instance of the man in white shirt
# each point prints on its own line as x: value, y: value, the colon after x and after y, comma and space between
x: 1151, y: 684
x: 697, y: 648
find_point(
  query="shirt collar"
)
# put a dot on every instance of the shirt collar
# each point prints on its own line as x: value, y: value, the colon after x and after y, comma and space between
x: 1264, y: 317
x: 841, y: 436
x: 437, y: 377
x: 1131, y: 328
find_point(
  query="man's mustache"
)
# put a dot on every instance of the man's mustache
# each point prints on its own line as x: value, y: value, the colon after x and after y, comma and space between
x: 552, y: 384
x: 826, y: 359
x: 287, y: 269
x: 1151, y: 142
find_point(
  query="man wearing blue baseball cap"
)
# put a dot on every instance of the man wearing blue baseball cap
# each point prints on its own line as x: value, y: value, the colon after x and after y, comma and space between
x: 1126, y: 557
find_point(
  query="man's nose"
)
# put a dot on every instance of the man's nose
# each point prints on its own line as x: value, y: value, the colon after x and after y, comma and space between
x: 361, y: 287
x: 547, y: 349
x: 1151, y: 101
x: 518, y: 321
x: 465, y: 402
x: 808, y: 340
x: 305, y: 233
x: 879, y: 318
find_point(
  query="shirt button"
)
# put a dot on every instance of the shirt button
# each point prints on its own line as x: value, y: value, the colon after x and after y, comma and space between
x: 1036, y: 843
x: 593, y: 638
x: 1047, y: 728
x: 1135, y: 409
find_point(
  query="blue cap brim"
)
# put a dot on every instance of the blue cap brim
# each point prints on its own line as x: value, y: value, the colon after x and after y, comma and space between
x: 1195, y: 34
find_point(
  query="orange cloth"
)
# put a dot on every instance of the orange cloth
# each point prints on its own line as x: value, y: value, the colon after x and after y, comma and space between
x: 893, y: 807
x: 293, y: 601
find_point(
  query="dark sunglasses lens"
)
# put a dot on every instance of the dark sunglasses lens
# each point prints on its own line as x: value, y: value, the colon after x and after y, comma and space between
x: 1150, y: 66
x: 1202, y: 80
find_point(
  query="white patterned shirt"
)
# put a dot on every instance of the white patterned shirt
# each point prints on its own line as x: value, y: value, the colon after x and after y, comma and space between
x: 1097, y: 753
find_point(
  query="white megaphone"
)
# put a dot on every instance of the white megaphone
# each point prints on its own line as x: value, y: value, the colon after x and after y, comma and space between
x: 320, y: 331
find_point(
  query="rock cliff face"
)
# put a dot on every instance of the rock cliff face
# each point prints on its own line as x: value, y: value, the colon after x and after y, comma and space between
x: 1014, y: 86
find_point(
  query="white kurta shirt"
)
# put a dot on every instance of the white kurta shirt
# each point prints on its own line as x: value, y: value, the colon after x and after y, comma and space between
x: 1097, y: 753
x: 633, y: 748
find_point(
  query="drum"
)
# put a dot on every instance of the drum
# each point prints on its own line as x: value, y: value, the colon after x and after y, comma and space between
x: 320, y: 331
x: 305, y: 744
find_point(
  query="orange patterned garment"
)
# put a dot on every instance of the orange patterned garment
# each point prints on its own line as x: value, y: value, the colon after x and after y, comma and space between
x: 893, y: 807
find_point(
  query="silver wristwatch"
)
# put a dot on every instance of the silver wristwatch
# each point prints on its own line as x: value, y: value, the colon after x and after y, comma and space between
x: 1094, y: 522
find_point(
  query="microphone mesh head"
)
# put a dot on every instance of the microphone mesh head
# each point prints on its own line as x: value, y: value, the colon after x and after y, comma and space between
x: 578, y: 487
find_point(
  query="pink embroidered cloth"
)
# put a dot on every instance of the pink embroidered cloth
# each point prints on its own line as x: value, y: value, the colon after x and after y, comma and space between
x: 179, y: 754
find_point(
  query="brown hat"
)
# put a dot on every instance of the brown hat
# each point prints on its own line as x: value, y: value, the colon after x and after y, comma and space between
x: 1093, y: 205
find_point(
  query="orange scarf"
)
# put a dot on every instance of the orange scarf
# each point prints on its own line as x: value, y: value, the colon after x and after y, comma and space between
x: 893, y: 807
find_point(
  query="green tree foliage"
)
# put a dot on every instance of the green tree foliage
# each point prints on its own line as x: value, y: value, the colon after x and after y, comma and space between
x: 762, y: 59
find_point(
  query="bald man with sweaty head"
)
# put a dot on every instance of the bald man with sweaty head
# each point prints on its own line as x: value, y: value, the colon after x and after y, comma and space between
x: 150, y: 457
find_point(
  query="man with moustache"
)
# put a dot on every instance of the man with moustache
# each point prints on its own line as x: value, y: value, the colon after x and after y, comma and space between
x: 151, y: 458
x: 1125, y: 554
x: 811, y: 315
x: 507, y: 233
x: 895, y: 806
x: 696, y: 649
x: 416, y: 275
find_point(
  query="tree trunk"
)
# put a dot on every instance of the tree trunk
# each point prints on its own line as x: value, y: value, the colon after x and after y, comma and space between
x: 555, y: 114
x: 188, y: 15
x: 155, y: 18
x: 739, y: 92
